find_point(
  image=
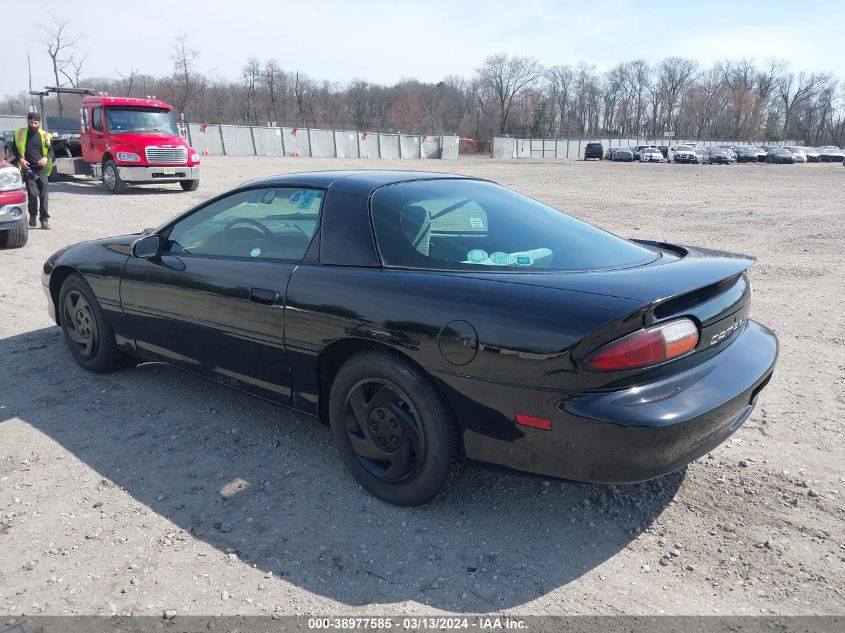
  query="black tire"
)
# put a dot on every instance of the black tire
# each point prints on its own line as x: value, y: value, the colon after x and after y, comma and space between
x: 111, y: 177
x: 17, y: 236
x: 407, y: 449
x: 190, y: 185
x: 88, y: 335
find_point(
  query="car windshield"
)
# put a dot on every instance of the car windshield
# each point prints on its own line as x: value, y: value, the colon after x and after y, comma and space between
x: 123, y: 120
x: 476, y: 225
x: 684, y: 148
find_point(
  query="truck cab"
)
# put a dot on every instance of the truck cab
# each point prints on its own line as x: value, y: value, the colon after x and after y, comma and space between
x: 134, y: 141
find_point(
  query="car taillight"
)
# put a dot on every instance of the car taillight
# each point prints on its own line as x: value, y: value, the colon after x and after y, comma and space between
x: 646, y: 347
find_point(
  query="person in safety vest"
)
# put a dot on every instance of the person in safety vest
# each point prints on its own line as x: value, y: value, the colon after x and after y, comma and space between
x: 34, y: 152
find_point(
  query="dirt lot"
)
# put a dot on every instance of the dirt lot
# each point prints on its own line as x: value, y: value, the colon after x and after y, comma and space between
x: 150, y: 490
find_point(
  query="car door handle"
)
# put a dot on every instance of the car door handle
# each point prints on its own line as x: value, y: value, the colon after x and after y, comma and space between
x: 265, y: 297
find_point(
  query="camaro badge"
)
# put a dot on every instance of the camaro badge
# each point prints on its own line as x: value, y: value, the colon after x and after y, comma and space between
x: 721, y: 336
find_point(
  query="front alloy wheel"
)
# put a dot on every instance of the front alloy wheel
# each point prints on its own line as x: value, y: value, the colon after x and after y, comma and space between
x: 80, y: 324
x: 88, y: 334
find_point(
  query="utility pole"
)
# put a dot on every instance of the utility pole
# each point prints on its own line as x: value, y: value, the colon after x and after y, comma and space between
x: 29, y: 68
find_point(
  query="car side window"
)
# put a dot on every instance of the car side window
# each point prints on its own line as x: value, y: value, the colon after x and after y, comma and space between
x: 266, y: 223
x: 97, y: 119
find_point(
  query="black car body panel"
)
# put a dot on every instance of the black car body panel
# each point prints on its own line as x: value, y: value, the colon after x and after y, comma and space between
x: 780, y: 156
x: 496, y: 343
x: 594, y: 150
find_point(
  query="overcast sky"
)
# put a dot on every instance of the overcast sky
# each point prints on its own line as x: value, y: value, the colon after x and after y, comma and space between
x: 383, y: 41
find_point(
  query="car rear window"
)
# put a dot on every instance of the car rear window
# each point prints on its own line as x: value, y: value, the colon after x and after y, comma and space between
x: 594, y: 145
x: 476, y: 225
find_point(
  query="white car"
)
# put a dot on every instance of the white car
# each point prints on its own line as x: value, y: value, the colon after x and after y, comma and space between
x: 683, y: 154
x: 648, y: 155
x: 812, y: 154
x: 798, y: 152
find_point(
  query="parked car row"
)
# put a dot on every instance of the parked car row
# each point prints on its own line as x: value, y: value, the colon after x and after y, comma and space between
x: 725, y: 154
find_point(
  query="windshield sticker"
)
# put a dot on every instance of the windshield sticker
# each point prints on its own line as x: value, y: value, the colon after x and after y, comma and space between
x: 255, y: 252
x: 523, y: 260
x: 476, y: 223
x: 476, y: 255
x: 500, y: 259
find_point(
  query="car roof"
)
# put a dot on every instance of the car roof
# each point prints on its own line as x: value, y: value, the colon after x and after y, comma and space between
x: 372, y: 179
x: 345, y: 236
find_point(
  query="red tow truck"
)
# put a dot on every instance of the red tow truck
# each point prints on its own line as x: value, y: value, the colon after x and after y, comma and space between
x: 123, y: 141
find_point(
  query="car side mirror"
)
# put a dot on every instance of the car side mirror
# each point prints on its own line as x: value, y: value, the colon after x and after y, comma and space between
x: 146, y: 247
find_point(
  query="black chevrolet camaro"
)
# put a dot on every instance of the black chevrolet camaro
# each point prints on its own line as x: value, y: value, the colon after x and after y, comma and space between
x: 431, y: 320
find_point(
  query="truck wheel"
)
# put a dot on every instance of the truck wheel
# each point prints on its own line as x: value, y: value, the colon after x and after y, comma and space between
x: 190, y: 185
x: 111, y: 177
x: 17, y: 236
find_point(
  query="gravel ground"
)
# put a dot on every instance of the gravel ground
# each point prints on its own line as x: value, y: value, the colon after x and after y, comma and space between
x: 149, y: 490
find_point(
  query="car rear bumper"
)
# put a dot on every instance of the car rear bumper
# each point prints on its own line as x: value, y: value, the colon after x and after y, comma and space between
x: 162, y: 173
x: 622, y: 436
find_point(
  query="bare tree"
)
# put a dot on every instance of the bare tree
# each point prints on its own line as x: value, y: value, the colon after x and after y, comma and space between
x: 731, y: 99
x: 63, y: 49
x: 130, y: 79
x: 561, y: 81
x: 674, y: 74
x: 274, y: 81
x: 794, y: 93
x: 250, y: 81
x: 303, y: 89
x: 183, y: 82
x: 507, y: 78
x: 358, y: 102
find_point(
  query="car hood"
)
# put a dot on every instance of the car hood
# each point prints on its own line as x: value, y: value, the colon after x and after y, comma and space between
x: 679, y: 269
x: 119, y: 244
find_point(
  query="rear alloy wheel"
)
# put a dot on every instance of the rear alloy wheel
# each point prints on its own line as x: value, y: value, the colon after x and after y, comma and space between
x: 17, y: 236
x: 111, y: 177
x: 393, y: 429
x: 88, y: 335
